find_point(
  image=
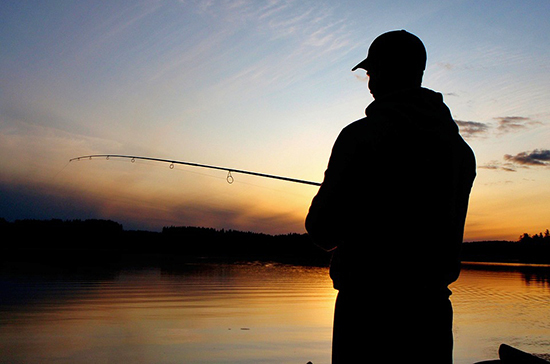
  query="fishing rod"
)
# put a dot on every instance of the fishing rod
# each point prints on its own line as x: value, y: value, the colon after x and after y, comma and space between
x: 229, y: 178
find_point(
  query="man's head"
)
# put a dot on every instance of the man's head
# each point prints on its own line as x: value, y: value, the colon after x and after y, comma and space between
x: 396, y: 60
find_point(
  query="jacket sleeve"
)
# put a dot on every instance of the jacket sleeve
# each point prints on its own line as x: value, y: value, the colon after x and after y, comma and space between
x: 325, y: 221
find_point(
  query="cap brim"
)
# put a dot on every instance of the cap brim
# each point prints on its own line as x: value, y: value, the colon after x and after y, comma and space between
x: 362, y: 64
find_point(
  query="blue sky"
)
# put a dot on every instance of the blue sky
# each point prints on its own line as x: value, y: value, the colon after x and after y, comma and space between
x: 258, y: 85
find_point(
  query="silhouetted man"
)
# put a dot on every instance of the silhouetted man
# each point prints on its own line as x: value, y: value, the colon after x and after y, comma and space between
x: 392, y: 208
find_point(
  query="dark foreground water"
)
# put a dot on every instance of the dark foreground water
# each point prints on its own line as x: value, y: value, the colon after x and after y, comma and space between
x: 237, y: 313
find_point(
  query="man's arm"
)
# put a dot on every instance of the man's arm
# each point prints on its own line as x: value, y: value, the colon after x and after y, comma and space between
x: 325, y: 222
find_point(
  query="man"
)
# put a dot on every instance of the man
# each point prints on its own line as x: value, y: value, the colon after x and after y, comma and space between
x: 392, y: 208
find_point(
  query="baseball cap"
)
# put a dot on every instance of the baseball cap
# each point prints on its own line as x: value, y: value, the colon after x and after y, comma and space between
x: 397, y: 49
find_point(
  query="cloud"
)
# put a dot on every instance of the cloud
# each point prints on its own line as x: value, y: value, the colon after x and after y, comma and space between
x: 508, y: 124
x: 538, y: 157
x: 41, y: 200
x: 446, y: 65
x: 535, y: 158
x: 139, y: 198
x: 240, y: 217
x: 498, y: 166
x: 472, y: 129
x: 505, y: 124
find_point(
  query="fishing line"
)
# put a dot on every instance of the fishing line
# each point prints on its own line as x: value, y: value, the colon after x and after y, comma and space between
x: 62, y: 169
x: 229, y: 178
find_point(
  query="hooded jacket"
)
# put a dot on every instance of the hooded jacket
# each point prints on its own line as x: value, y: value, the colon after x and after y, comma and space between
x: 393, y: 202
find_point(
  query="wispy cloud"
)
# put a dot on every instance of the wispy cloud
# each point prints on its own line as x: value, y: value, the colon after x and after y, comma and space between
x: 509, y: 124
x: 504, y: 125
x: 498, y: 166
x: 290, y: 41
x: 472, y: 129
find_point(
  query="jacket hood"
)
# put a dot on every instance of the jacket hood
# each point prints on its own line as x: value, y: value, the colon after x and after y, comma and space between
x: 422, y: 107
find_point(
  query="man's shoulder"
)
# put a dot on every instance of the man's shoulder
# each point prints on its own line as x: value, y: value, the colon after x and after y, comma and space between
x: 368, y: 128
x: 355, y: 132
x: 363, y: 125
x: 356, y: 125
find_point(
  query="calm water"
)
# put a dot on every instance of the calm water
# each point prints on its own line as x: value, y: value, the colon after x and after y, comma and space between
x: 247, y: 313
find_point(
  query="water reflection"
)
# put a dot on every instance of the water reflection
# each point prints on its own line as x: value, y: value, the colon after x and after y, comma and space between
x: 236, y: 313
x: 497, y: 304
x: 200, y: 313
x: 531, y: 273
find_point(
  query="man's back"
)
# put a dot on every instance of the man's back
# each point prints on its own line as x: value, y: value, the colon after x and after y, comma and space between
x: 394, y: 202
x: 396, y: 191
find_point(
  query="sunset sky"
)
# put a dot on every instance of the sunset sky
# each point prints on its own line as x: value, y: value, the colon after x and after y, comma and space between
x: 257, y: 85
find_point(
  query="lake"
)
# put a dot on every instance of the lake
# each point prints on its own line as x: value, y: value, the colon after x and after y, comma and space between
x: 237, y: 313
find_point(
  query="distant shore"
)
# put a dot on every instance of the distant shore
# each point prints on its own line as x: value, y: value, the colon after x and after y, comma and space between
x: 105, y: 242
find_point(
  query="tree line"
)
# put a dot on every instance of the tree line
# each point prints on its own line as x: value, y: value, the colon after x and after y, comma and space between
x: 106, y: 241
x: 97, y: 241
x: 526, y: 249
x: 536, y: 238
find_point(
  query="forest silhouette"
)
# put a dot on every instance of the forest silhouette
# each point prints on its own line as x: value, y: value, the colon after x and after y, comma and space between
x: 103, y: 242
